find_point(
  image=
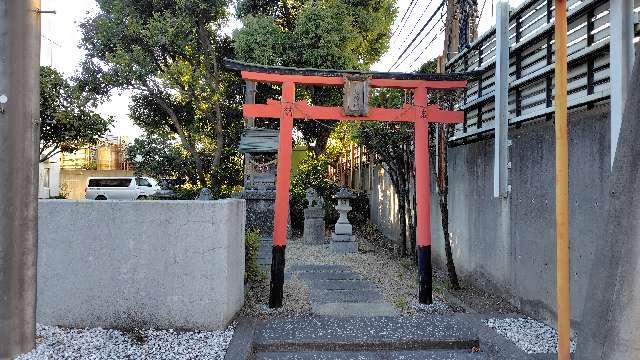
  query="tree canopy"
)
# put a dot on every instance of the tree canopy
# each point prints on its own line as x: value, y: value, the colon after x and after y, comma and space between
x: 169, y: 52
x: 67, y: 119
x: 335, y: 34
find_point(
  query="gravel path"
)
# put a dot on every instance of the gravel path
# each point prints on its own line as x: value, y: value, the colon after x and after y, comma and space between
x: 532, y: 336
x: 98, y: 344
x: 395, y: 278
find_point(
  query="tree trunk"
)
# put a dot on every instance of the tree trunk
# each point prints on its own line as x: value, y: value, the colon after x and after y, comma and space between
x: 212, y: 72
x: 183, y: 137
x: 443, y: 193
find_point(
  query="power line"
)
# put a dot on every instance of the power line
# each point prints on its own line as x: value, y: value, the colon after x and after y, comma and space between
x: 425, y: 47
x: 419, y: 33
x: 426, y: 8
x: 401, y: 24
x: 424, y: 12
x: 429, y: 44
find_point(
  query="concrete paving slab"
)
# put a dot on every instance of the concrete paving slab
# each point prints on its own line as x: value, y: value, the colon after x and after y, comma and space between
x: 342, y: 285
x: 354, y: 309
x: 373, y: 355
x: 345, y: 296
x: 320, y: 268
x: 340, y: 275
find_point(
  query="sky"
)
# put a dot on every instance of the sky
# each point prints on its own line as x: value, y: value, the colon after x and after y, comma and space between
x: 61, y: 37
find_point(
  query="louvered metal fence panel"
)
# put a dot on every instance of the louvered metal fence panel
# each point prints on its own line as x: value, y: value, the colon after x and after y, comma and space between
x: 531, y: 70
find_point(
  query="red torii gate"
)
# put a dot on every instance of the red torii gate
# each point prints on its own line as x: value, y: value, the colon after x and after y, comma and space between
x: 420, y: 113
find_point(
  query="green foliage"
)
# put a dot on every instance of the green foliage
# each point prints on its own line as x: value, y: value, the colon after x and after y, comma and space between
x: 169, y: 53
x: 260, y: 41
x: 159, y: 158
x: 187, y: 191
x: 334, y: 34
x: 67, y: 119
x: 339, y: 34
x: 252, y: 269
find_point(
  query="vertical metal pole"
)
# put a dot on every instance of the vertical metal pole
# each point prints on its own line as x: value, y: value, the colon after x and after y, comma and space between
x: 423, y: 210
x: 562, y: 183
x: 283, y: 176
x: 621, y: 63
x: 19, y: 140
x: 501, y: 100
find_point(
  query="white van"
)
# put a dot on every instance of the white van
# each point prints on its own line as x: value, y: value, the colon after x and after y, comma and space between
x: 120, y: 188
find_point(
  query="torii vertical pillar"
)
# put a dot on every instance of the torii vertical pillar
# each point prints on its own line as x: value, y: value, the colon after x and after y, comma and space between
x: 423, y: 206
x: 283, y: 175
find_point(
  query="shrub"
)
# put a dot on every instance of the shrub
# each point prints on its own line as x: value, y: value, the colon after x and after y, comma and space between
x: 252, y: 271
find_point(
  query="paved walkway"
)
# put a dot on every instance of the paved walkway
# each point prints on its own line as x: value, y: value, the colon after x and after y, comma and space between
x: 338, y: 291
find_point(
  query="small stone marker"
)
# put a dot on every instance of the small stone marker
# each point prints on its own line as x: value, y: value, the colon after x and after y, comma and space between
x: 314, y: 226
x: 205, y: 194
x: 342, y: 239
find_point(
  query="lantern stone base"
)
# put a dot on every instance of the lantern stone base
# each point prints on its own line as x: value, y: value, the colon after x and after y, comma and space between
x: 342, y: 243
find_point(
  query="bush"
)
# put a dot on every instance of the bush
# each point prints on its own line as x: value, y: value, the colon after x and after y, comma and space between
x: 187, y: 191
x: 252, y: 271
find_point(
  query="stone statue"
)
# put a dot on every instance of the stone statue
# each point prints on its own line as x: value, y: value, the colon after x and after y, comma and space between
x: 205, y: 194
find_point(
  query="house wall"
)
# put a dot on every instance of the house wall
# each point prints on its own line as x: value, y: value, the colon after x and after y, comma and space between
x: 145, y: 264
x: 508, y: 246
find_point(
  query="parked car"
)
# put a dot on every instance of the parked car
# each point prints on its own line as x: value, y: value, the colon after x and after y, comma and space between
x: 120, y: 188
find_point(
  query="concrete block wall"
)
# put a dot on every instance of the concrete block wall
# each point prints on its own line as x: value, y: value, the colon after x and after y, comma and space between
x: 125, y: 264
x: 508, y: 246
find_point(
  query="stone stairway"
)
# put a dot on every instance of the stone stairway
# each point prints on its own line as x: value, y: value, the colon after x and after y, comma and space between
x: 324, y: 337
x: 338, y: 291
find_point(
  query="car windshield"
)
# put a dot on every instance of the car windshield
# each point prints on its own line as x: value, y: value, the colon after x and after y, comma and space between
x: 112, y: 182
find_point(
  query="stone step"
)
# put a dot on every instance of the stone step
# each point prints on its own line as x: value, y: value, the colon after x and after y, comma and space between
x: 354, y: 309
x: 378, y: 333
x: 345, y: 296
x: 373, y: 355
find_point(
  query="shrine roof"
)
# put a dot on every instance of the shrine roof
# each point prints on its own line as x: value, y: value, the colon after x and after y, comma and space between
x: 283, y: 70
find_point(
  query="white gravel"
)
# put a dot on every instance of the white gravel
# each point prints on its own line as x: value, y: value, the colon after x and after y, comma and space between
x: 97, y: 344
x: 532, y: 336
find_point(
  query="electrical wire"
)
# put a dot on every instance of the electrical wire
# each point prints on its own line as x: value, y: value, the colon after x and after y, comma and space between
x: 418, y: 34
x: 426, y: 9
x: 420, y: 42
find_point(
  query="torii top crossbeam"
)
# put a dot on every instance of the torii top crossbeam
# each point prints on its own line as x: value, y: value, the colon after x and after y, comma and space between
x: 356, y: 86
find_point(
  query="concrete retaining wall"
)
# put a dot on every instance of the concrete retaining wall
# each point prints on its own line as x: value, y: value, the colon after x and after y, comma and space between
x: 509, y: 245
x: 124, y: 264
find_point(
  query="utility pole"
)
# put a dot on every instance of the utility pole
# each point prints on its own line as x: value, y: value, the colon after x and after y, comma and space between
x: 451, y: 31
x: 19, y: 142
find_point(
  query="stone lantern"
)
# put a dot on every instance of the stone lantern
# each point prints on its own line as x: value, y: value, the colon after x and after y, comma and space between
x: 342, y: 239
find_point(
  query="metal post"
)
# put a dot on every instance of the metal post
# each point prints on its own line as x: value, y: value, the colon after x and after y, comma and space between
x: 620, y: 62
x: 19, y: 139
x: 562, y: 184
x: 283, y: 176
x: 423, y: 226
x: 501, y: 101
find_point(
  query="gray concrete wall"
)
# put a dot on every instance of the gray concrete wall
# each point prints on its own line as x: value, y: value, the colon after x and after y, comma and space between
x: 509, y: 245
x: 383, y: 204
x: 124, y: 264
